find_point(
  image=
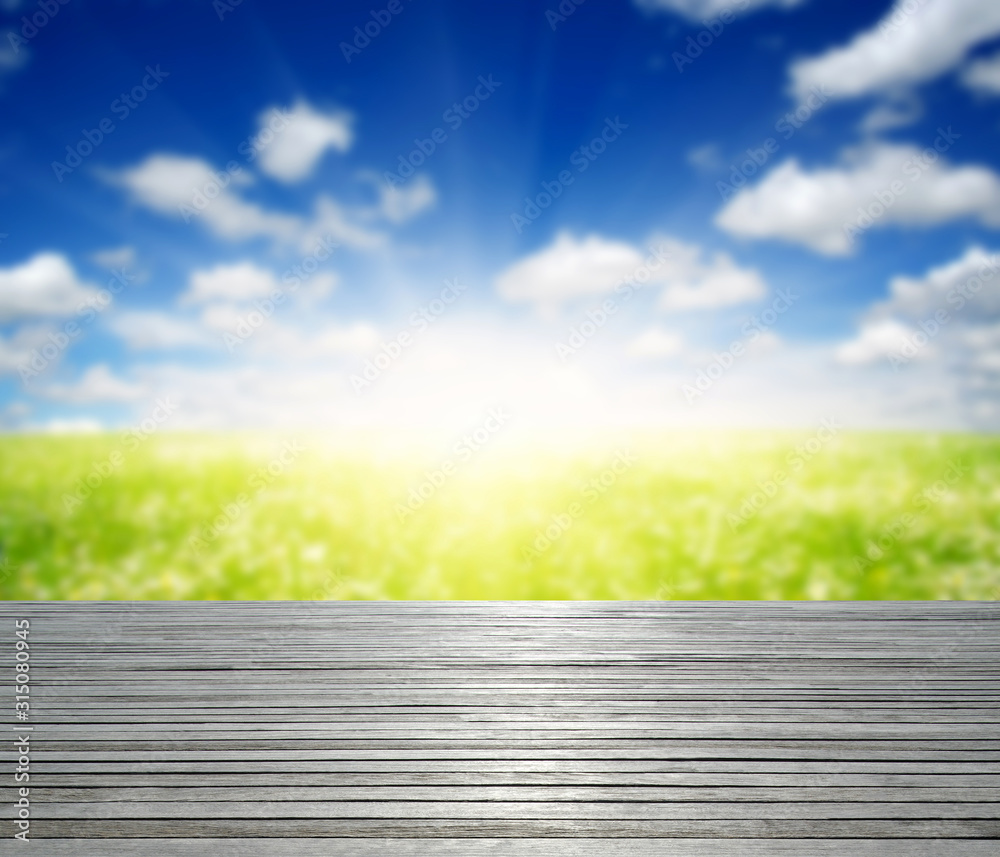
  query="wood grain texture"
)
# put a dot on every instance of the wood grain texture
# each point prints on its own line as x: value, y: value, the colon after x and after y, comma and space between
x: 509, y: 729
x: 520, y: 847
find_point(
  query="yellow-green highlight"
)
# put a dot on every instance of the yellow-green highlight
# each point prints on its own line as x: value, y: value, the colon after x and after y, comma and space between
x: 201, y: 517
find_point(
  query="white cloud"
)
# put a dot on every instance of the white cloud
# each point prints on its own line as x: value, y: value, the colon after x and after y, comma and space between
x: 225, y: 293
x: 180, y: 187
x: 816, y: 208
x: 153, y: 329
x: 11, y: 356
x: 900, y: 113
x: 116, y: 258
x: 699, y: 10
x: 940, y: 331
x: 707, y: 285
x: 189, y: 189
x: 331, y: 339
x: 317, y: 287
x: 398, y: 204
x: 16, y: 350
x: 983, y: 75
x: 940, y: 287
x: 222, y: 317
x: 767, y: 343
x: 905, y: 48
x: 11, y: 60
x: 17, y: 410
x: 300, y: 137
x: 296, y: 335
x: 44, y: 285
x: 296, y: 372
x: 464, y: 365
x: 76, y: 425
x: 330, y: 220
x: 243, y: 281
x: 571, y: 268
x: 656, y: 343
x: 876, y: 341
x: 707, y: 157
x: 357, y: 338
x: 225, y: 316
x: 97, y: 384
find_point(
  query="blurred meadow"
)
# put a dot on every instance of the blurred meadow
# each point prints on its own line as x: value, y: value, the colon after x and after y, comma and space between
x: 668, y: 515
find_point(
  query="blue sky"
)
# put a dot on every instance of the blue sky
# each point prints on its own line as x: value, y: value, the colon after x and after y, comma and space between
x: 803, y: 194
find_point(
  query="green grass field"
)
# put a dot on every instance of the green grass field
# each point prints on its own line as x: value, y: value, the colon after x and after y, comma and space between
x: 669, y: 516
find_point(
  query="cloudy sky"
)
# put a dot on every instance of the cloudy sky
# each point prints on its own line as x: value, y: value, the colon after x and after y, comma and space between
x: 665, y: 212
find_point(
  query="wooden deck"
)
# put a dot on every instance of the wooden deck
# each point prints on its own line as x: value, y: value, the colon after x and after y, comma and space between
x: 467, y: 729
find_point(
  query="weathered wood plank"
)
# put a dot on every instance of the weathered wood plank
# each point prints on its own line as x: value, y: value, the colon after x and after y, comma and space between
x: 514, y: 793
x: 474, y: 847
x: 279, y: 828
x: 433, y: 810
x: 779, y: 782
x: 508, y: 729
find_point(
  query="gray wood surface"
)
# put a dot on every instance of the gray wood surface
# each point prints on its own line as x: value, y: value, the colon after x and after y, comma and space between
x: 509, y: 729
